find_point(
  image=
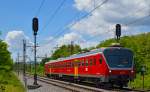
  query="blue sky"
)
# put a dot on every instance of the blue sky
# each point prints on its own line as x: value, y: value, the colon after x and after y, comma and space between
x: 18, y: 14
x: 16, y: 22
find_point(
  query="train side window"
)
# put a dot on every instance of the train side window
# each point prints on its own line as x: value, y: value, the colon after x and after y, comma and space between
x: 79, y: 63
x: 94, y: 61
x: 86, y: 62
x: 91, y: 62
x: 82, y: 62
x: 100, y: 60
x: 69, y: 64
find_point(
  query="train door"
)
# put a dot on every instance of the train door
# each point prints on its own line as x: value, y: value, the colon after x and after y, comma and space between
x: 86, y: 68
x: 90, y: 65
x: 94, y: 65
x: 76, y: 68
x: 81, y: 67
x: 50, y: 70
x: 100, y: 68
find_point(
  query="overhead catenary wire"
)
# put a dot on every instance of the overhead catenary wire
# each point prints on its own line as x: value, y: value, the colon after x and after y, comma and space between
x: 39, y: 9
x: 126, y: 24
x: 54, y: 14
x: 95, y: 7
x: 129, y: 23
x: 90, y: 13
x: 62, y: 30
x: 84, y: 16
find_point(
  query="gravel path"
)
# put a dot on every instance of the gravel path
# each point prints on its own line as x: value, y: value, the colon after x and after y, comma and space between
x: 44, y: 87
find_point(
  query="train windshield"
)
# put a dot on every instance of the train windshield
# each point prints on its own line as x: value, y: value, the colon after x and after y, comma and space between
x: 119, y: 58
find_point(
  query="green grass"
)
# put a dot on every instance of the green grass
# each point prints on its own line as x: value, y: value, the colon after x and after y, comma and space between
x: 10, y: 82
x: 138, y: 82
x: 40, y: 70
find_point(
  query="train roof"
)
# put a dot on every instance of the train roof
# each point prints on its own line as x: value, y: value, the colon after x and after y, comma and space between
x: 95, y: 51
x: 78, y: 55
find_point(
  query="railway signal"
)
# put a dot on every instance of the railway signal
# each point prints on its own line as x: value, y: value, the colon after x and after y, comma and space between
x: 118, y: 31
x: 35, y: 30
x: 143, y: 70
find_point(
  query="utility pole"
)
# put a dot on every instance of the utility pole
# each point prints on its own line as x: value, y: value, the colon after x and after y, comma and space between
x: 71, y: 48
x: 18, y: 62
x: 16, y: 66
x: 24, y: 62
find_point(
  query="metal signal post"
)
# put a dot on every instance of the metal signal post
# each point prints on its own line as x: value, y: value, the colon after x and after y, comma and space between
x: 24, y: 62
x: 143, y: 70
x: 35, y: 30
x: 71, y: 48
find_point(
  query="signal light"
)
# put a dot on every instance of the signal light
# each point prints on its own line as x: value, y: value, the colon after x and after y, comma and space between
x: 35, y: 25
x: 118, y: 30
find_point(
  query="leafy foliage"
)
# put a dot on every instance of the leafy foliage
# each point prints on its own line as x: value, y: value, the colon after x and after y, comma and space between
x: 65, y: 51
x: 8, y: 81
x: 5, y: 58
x: 45, y: 60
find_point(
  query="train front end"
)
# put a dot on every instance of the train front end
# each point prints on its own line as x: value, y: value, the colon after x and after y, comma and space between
x: 120, y: 65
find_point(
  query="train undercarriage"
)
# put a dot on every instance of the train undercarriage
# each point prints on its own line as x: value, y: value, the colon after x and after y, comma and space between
x: 111, y: 81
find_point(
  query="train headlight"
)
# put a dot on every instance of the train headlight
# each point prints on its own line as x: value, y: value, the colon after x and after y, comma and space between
x: 109, y: 71
x: 132, y: 71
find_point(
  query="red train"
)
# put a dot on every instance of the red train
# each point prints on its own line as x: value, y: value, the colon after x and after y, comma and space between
x: 113, y: 65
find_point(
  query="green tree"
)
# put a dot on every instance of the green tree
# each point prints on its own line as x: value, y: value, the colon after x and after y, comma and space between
x: 43, y: 61
x: 5, y: 57
x: 65, y: 51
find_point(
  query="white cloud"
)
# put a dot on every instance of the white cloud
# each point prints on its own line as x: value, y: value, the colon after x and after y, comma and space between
x: 87, y: 44
x: 46, y: 47
x: 111, y: 13
x: 67, y: 38
x: 84, y: 4
x: 15, y: 39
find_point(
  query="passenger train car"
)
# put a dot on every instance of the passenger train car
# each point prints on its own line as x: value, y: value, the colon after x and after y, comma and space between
x: 113, y: 65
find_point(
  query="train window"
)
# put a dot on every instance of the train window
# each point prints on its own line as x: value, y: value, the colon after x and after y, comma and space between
x: 69, y: 64
x: 100, y: 60
x: 91, y: 62
x: 94, y: 61
x: 65, y: 64
x: 82, y: 62
x: 78, y: 64
x: 86, y: 63
x: 72, y: 64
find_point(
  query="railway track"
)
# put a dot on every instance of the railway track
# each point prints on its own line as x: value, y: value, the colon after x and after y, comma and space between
x: 70, y: 86
x: 78, y: 87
